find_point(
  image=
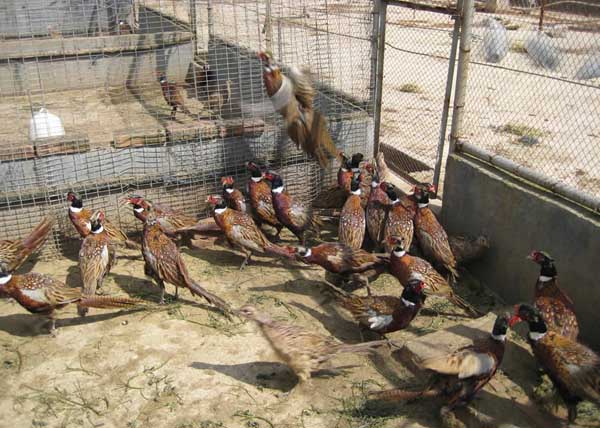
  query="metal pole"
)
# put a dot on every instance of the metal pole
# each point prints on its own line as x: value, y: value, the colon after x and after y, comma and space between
x: 462, y: 73
x: 194, y: 27
x: 379, y: 43
x: 542, y: 7
x: 209, y: 19
x: 447, y: 98
x: 268, y: 29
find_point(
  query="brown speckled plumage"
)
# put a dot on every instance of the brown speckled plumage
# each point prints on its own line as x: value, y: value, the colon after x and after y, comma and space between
x: 234, y: 198
x: 302, y: 350
x: 296, y: 216
x: 351, y: 230
x: 13, y: 253
x: 165, y: 264
x: 261, y: 201
x: 241, y: 231
x: 459, y: 375
x: 406, y: 267
x: 573, y: 368
x: 432, y: 238
x: 377, y: 207
x: 399, y: 221
x: 81, y: 222
x: 43, y: 295
x: 96, y: 257
x: 555, y: 305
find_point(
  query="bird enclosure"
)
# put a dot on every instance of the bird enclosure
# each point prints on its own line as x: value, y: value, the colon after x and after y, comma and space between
x: 84, y: 109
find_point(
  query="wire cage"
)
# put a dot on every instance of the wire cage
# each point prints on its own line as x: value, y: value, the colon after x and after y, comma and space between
x: 84, y: 110
x: 533, y: 92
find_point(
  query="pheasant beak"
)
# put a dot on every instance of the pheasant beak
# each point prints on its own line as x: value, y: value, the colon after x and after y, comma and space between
x: 227, y: 180
x: 533, y: 256
x: 268, y: 176
x: 383, y: 186
x: 431, y: 188
x: 213, y: 200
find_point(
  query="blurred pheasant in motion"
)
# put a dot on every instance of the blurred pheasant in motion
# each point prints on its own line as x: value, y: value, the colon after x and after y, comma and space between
x: 384, y: 314
x: 459, y: 375
x: 13, y: 253
x: 80, y: 218
x: 43, y: 295
x: 234, y: 198
x: 261, y: 201
x: 406, y: 267
x: 241, y: 231
x: 292, y: 96
x: 339, y: 258
x: 294, y: 215
x: 96, y: 257
x: 301, y: 349
x: 165, y: 264
x: 554, y: 304
x: 573, y: 368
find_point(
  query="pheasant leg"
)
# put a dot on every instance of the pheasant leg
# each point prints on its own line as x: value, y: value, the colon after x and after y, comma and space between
x: 246, y: 260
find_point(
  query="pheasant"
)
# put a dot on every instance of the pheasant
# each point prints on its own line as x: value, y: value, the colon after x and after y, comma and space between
x: 43, y: 295
x: 80, y: 217
x: 573, y: 368
x: 377, y: 207
x: 294, y: 215
x: 459, y: 375
x: 165, y: 264
x: 172, y: 221
x: 351, y: 229
x: 335, y: 197
x: 13, y: 253
x: 234, y: 198
x: 467, y: 249
x: 261, y: 201
x: 292, y: 96
x: 96, y: 257
x: 241, y: 231
x: 172, y: 94
x: 301, y: 349
x: 430, y: 234
x: 406, y: 267
x: 399, y: 222
x: 384, y: 314
x: 556, y: 307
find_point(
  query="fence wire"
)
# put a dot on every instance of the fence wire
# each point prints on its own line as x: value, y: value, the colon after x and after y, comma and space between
x: 91, y: 69
x: 417, y: 51
x: 533, y: 93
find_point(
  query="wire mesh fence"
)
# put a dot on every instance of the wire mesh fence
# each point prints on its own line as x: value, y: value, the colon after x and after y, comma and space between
x: 533, y: 93
x: 417, y: 52
x: 85, y: 110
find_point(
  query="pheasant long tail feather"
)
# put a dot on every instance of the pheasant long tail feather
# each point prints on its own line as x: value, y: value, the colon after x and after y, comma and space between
x: 468, y: 308
x: 322, y: 144
x: 38, y: 236
x: 215, y: 300
x: 362, y: 347
x: 110, y: 302
x: 287, y: 252
x: 337, y: 291
x: 399, y: 394
x: 132, y: 245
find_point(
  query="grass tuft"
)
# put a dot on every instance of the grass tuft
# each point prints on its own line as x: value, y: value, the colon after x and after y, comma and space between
x: 411, y: 88
x: 521, y: 130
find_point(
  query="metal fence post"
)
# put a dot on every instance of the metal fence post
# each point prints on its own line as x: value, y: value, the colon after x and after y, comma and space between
x: 380, y: 7
x: 447, y: 96
x: 462, y: 73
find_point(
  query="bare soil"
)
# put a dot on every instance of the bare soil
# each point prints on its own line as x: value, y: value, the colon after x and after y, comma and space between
x: 184, y: 365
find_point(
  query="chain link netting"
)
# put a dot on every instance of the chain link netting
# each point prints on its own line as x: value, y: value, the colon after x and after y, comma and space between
x: 533, y: 92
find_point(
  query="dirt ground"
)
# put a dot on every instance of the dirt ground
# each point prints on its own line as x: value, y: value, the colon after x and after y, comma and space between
x: 184, y: 365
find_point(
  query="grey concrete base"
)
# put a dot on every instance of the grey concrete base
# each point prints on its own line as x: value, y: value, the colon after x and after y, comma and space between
x: 518, y: 218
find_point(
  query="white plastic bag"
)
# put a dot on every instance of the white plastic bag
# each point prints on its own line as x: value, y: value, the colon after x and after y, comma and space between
x: 44, y: 124
x: 590, y: 69
x: 495, y: 41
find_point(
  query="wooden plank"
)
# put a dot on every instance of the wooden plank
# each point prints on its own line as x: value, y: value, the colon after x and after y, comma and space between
x: 138, y: 138
x: 67, y: 144
x: 250, y: 128
x: 9, y: 153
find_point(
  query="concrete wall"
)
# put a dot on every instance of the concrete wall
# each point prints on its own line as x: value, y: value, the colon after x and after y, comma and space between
x: 519, y: 218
